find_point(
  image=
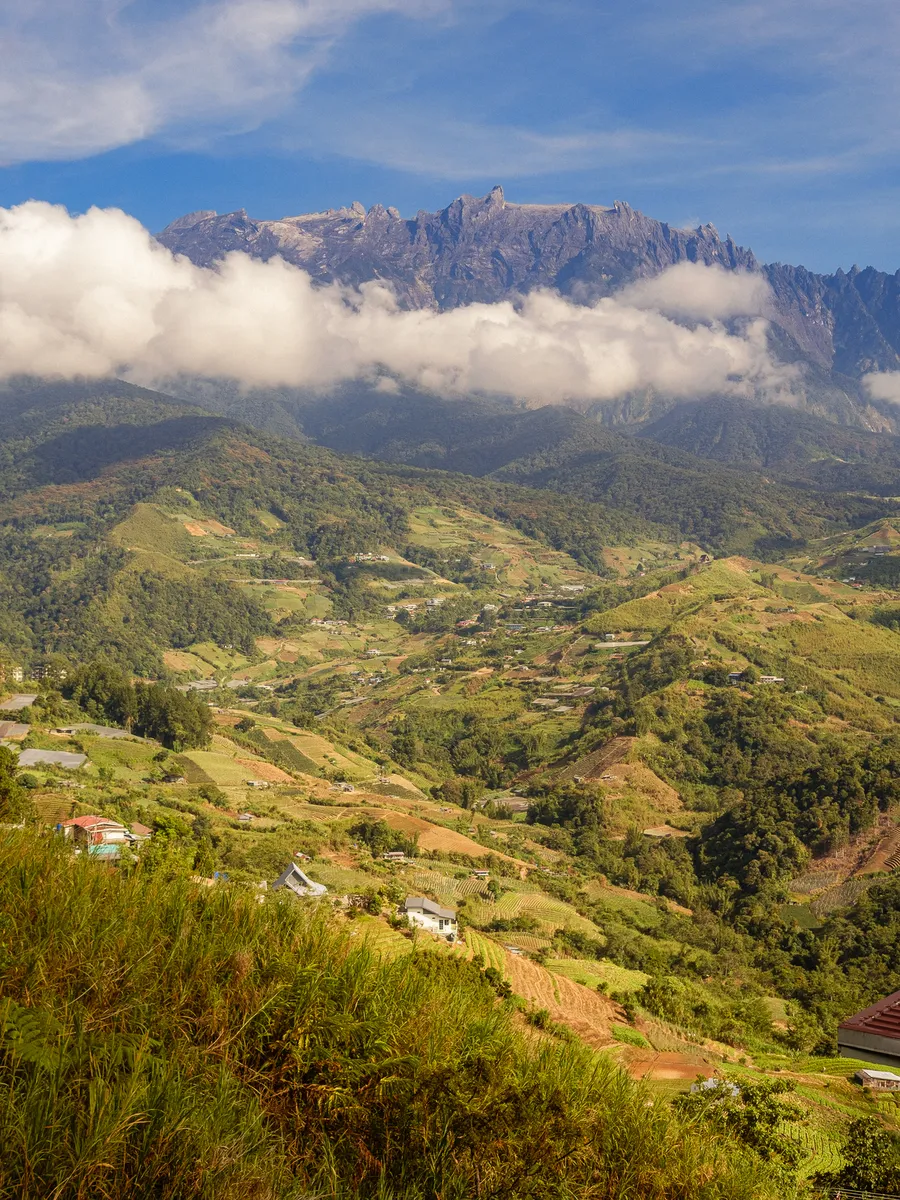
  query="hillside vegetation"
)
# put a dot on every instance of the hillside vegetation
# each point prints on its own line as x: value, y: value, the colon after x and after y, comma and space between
x: 160, y: 1039
x: 658, y: 786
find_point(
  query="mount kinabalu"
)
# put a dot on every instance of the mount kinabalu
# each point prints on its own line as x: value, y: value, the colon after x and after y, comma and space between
x: 487, y: 249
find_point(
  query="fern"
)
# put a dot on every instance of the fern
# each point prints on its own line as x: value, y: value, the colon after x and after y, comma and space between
x: 31, y: 1035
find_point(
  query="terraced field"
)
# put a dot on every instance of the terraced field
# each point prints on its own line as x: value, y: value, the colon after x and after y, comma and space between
x: 583, y: 1010
x: 447, y: 886
x: 591, y: 973
x: 493, y: 954
x: 550, y: 913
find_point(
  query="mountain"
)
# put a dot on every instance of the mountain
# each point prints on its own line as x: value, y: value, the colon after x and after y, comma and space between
x: 789, y: 442
x: 487, y: 249
x: 477, y: 249
x: 714, y: 503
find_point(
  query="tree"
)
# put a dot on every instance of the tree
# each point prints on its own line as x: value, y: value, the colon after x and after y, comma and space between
x: 15, y: 803
x: 751, y: 1111
x: 104, y: 692
x: 180, y: 721
x: 871, y: 1159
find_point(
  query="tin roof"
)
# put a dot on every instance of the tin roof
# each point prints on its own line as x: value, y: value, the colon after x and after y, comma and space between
x: 421, y: 904
x: 882, y: 1018
x: 61, y: 758
x: 90, y: 822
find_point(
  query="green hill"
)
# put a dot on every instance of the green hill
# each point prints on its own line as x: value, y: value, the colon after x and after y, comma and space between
x: 116, y: 503
x: 689, y: 495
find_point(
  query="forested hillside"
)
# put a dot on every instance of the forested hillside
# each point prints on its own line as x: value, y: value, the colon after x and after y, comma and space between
x: 554, y: 448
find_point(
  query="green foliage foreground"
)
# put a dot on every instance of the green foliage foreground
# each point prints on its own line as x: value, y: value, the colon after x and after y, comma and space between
x: 164, y: 1040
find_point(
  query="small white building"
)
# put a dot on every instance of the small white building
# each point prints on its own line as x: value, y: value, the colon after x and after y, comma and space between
x: 878, y: 1081
x: 428, y: 915
x: 723, y: 1088
x: 298, y: 882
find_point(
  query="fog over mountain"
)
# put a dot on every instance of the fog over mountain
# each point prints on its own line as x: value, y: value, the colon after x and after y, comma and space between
x: 842, y: 328
x: 603, y: 309
x: 95, y: 295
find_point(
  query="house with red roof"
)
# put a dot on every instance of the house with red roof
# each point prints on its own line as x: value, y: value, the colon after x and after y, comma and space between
x: 101, y: 836
x: 873, y: 1035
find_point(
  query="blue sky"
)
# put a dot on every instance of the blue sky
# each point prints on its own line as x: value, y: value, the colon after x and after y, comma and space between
x: 776, y: 120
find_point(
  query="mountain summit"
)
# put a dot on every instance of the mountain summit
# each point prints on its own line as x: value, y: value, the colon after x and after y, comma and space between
x: 488, y: 249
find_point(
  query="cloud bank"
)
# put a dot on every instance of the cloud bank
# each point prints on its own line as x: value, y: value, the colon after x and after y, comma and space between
x: 95, y: 295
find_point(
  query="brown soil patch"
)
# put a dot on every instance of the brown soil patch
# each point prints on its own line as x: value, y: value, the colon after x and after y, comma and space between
x: 584, y: 1011
x: 641, y: 779
x: 194, y: 529
x: 663, y: 831
x: 885, y: 857
x: 340, y: 859
x: 267, y: 771
x: 219, y: 528
x: 175, y: 660
x: 598, y: 762
x: 226, y: 718
x: 667, y: 1064
x: 855, y: 857
x: 737, y: 563
x: 434, y: 837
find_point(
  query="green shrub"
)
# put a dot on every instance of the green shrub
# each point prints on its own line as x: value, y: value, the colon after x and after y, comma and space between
x: 631, y: 1037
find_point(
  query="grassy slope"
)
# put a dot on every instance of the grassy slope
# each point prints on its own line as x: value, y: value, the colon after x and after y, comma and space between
x: 264, y: 1051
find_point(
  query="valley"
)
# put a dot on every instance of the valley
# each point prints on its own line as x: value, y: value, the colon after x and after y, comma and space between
x: 655, y: 783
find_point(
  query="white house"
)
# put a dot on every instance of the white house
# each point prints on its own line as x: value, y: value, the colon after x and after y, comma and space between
x: 298, y: 882
x: 428, y: 915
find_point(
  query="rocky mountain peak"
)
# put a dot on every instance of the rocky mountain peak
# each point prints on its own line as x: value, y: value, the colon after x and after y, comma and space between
x: 486, y: 249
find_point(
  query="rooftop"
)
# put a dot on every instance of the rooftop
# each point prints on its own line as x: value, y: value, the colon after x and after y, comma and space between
x: 90, y: 822
x: 17, y: 702
x: 107, y: 731
x: 420, y: 904
x: 882, y: 1019
x: 59, y: 758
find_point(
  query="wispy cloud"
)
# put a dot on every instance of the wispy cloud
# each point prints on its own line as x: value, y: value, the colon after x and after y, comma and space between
x: 83, y: 78
x: 443, y: 148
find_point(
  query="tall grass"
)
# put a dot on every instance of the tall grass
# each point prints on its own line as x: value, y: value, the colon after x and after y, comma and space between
x: 168, y: 1041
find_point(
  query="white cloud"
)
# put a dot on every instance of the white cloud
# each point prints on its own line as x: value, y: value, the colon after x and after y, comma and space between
x: 95, y: 295
x: 883, y: 385
x: 83, y: 78
x: 704, y: 295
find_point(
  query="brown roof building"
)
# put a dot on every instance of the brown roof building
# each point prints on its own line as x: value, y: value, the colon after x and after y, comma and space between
x: 873, y: 1035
